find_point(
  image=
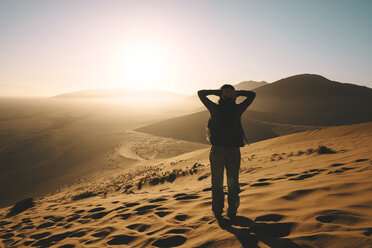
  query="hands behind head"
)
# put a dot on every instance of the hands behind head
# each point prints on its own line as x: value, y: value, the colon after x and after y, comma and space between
x: 228, y: 93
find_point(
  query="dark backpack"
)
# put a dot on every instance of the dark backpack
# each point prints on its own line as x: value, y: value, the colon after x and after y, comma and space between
x: 208, y: 132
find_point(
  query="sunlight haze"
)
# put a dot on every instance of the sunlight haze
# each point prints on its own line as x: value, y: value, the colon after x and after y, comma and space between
x: 52, y: 47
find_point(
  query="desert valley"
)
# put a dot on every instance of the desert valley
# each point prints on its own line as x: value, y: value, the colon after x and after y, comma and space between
x: 96, y: 168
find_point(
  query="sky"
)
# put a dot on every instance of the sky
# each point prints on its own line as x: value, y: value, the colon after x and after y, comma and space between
x: 51, y: 47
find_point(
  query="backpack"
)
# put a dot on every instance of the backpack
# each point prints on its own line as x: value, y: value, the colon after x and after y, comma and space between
x: 208, y: 132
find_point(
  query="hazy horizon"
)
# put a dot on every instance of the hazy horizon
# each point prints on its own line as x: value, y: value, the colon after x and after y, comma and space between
x: 53, y: 47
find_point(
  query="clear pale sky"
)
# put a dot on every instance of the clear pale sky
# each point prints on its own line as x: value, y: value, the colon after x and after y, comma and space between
x: 50, y: 47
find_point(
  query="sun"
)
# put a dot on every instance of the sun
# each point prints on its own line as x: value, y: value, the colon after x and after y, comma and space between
x: 141, y: 68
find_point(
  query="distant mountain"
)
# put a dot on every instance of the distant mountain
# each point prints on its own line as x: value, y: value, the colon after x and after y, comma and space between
x: 119, y: 93
x: 309, y: 99
x: 249, y: 85
x: 292, y: 104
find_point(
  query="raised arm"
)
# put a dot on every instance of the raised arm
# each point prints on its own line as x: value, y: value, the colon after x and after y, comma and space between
x: 250, y: 97
x: 204, y: 99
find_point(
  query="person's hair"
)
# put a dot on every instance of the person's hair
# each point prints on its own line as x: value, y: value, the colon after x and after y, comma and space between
x: 227, y: 86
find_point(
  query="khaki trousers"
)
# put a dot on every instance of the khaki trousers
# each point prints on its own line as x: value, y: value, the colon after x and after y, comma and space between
x: 222, y: 157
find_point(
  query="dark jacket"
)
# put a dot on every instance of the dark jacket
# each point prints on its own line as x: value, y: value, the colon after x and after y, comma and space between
x: 225, y: 121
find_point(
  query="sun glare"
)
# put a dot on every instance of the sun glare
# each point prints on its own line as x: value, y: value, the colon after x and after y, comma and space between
x: 140, y: 68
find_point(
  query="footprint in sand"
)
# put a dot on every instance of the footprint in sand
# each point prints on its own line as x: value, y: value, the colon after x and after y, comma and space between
x: 260, y: 184
x: 46, y: 242
x: 67, y: 246
x: 181, y: 217
x: 162, y: 213
x: 128, y: 205
x: 179, y: 194
x: 297, y: 194
x: 54, y: 218
x: 4, y: 223
x: 304, y: 176
x: 21, y: 235
x: 183, y: 196
x: 157, y: 200
x: 101, y: 233
x: 264, y: 179
x: 139, y: 227
x: 83, y: 221
x: 74, y: 217
x: 80, y: 232
x: 178, y: 231
x: 315, y: 170
x: 28, y: 227
x: 7, y: 236
x: 120, y: 208
x: 98, y: 215
x: 45, y: 225
x: 40, y: 235
x: 162, y: 208
x: 270, y: 217
x: 96, y: 210
x: 28, y: 242
x: 291, y: 174
x: 26, y: 220
x: 123, y: 216
x: 341, y: 170
x: 336, y: 164
x: 337, y: 216
x: 361, y: 160
x: 170, y: 241
x: 145, y: 209
x: 121, y: 239
x: 17, y: 226
x: 67, y: 226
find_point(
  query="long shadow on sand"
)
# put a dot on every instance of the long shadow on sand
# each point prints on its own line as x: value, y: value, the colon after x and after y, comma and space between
x: 250, y: 233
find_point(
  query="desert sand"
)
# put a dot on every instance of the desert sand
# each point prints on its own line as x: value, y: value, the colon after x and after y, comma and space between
x: 308, y: 189
x: 49, y: 142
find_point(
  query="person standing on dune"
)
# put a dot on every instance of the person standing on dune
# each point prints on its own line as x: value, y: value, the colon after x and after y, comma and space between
x: 226, y: 138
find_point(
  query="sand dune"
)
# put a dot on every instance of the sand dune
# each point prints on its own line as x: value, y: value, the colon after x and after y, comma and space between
x: 308, y: 189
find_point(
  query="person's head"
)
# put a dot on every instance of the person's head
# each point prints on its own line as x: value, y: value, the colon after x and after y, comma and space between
x: 228, y: 94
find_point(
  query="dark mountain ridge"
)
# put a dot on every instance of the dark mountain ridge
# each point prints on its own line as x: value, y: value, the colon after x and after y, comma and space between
x: 292, y: 104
